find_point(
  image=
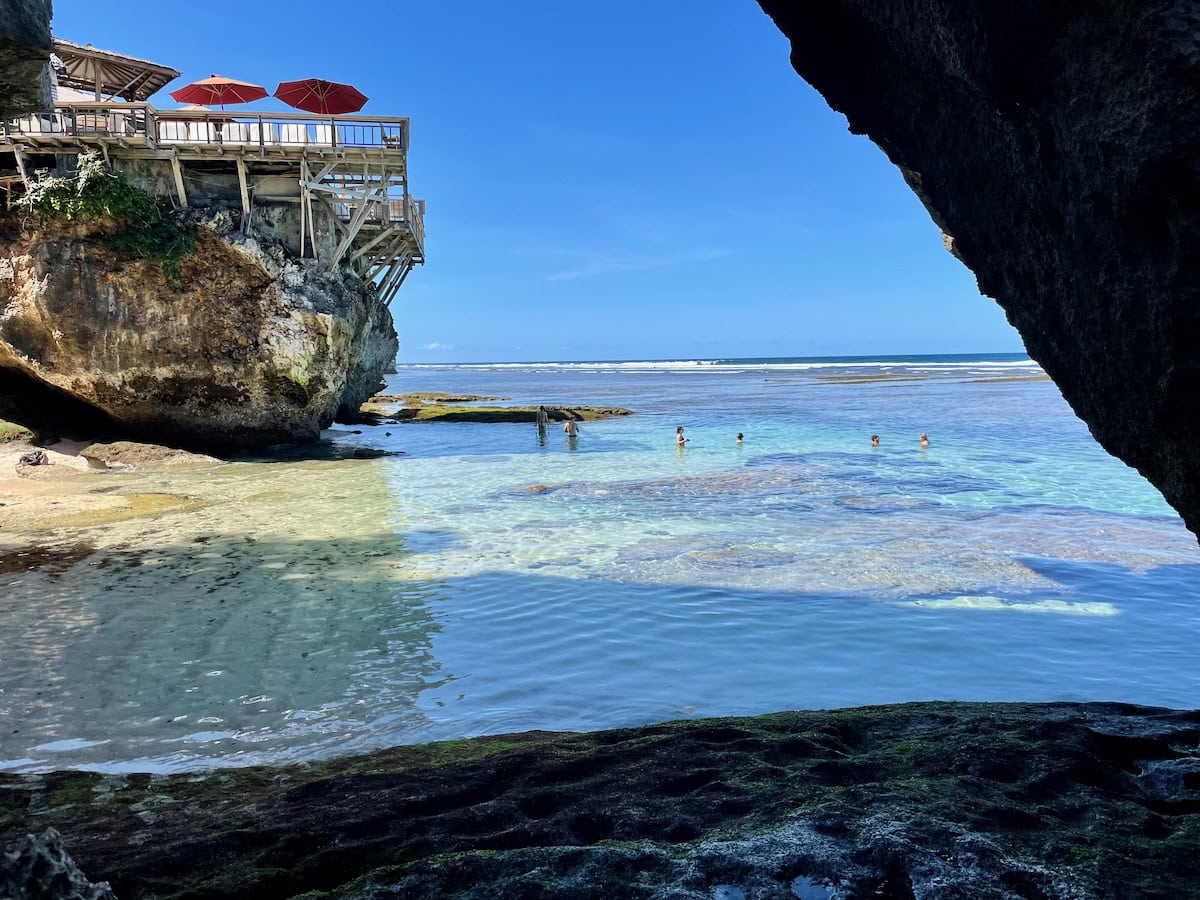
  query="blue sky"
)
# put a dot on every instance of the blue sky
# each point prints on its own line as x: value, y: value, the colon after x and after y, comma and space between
x: 617, y: 180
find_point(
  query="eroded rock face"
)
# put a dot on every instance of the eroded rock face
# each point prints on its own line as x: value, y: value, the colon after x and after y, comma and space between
x: 1057, y: 144
x: 40, y: 868
x: 249, y: 347
x: 24, y: 52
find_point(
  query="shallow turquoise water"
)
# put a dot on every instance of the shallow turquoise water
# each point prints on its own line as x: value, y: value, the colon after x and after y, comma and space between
x: 492, y: 580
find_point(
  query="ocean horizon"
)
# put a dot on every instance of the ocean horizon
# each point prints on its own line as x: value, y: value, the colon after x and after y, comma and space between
x: 756, y: 361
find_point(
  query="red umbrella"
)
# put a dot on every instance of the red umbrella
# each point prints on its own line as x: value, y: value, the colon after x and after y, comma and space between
x: 317, y: 95
x: 220, y: 90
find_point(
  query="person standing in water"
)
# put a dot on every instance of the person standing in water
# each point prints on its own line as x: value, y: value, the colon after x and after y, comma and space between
x: 543, y: 418
x: 680, y: 440
x: 874, y: 440
x: 924, y: 440
x: 739, y: 439
x: 571, y: 428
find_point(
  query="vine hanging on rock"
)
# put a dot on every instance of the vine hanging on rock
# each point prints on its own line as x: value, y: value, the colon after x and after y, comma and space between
x: 145, y: 227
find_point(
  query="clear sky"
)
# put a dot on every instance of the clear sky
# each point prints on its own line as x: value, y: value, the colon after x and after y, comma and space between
x: 616, y: 180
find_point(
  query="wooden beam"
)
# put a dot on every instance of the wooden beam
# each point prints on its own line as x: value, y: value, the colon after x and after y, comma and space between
x: 303, y: 197
x: 356, y: 223
x: 312, y: 227
x: 381, y: 286
x: 385, y: 257
x: 241, y: 167
x: 178, y: 170
x: 325, y: 170
x: 338, y: 223
x: 392, y: 283
x: 386, y: 233
x: 21, y: 165
x: 337, y: 189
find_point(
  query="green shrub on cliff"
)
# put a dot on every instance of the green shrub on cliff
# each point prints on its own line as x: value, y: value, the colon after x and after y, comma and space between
x: 146, y: 227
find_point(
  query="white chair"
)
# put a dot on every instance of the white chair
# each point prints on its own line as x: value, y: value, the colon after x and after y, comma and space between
x: 293, y: 133
x: 202, y: 133
x: 234, y: 133
x: 264, y: 134
x: 172, y: 130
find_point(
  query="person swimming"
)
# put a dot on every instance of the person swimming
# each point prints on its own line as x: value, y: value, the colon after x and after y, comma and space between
x: 874, y: 440
x: 739, y: 438
x: 924, y: 440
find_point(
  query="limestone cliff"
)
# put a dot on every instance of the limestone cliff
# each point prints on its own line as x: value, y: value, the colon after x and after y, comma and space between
x: 24, y: 51
x: 248, y: 347
x: 1058, y: 144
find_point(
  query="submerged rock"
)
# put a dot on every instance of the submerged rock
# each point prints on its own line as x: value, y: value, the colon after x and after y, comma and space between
x: 933, y: 800
x: 248, y: 348
x: 1056, y: 146
x: 123, y: 454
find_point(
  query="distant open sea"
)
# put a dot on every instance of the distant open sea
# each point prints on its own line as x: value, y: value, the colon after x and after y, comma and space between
x: 490, y: 580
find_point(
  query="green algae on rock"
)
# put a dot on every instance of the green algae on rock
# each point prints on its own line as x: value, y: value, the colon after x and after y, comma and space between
x: 952, y: 800
x: 10, y: 433
x: 426, y: 407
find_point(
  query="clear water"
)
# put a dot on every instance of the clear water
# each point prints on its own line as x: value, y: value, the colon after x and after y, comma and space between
x: 491, y: 581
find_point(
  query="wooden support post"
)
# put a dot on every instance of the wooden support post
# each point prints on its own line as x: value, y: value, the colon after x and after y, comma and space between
x: 400, y: 281
x: 388, y: 271
x: 312, y: 227
x: 178, y: 170
x: 356, y: 223
x: 386, y: 256
x: 303, y: 198
x: 20, y: 155
x: 338, y: 223
x: 242, y: 182
x: 361, y: 251
x: 391, y: 283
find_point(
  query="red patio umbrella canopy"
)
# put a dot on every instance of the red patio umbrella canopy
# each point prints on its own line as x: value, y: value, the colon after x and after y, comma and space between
x: 317, y: 95
x: 219, y: 90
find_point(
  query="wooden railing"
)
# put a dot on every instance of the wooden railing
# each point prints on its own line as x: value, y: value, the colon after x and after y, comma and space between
x: 85, y: 120
x: 142, y: 123
x: 407, y: 211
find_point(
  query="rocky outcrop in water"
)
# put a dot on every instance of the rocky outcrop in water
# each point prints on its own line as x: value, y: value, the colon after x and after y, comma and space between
x: 24, y: 52
x: 247, y: 347
x: 1057, y: 145
x: 941, y: 801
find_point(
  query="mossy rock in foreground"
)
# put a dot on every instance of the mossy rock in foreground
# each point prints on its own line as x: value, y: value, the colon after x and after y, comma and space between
x: 945, y: 800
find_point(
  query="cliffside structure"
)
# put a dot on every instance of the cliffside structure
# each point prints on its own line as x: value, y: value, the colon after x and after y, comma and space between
x: 334, y: 188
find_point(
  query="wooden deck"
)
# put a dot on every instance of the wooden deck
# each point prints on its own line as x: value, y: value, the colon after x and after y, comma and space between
x: 354, y: 168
